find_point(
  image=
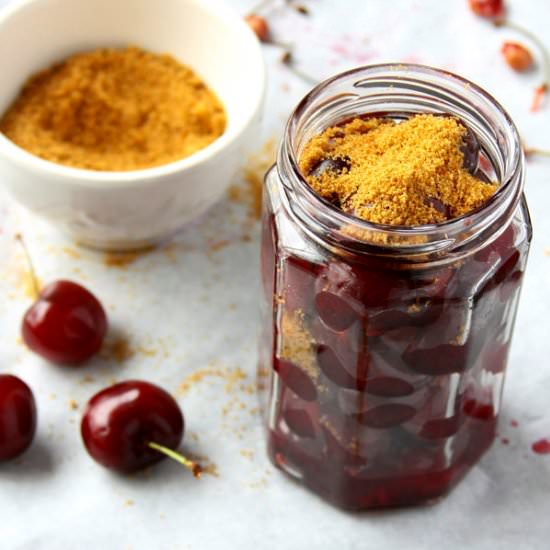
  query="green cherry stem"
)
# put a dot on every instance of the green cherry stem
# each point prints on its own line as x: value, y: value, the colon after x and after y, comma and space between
x: 35, y: 285
x: 193, y: 466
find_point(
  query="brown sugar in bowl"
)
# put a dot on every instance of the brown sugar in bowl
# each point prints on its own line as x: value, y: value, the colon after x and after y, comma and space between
x: 124, y: 210
x: 115, y: 109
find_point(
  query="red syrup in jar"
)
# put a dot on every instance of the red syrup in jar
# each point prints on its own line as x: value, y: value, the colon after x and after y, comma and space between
x: 386, y: 383
x: 386, y: 423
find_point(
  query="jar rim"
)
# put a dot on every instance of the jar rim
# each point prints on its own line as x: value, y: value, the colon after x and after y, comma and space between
x: 446, y: 82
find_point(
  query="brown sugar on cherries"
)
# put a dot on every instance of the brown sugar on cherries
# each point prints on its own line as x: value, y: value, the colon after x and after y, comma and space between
x: 421, y: 170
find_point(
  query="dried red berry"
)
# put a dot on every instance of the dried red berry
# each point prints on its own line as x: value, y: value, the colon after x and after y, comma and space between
x: 517, y: 56
x: 487, y: 8
x: 259, y: 26
x: 538, y: 99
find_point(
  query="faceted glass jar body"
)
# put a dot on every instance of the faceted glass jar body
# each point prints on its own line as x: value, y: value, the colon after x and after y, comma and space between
x: 387, y: 346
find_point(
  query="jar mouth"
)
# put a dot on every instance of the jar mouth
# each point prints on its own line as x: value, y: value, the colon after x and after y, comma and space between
x: 404, y: 89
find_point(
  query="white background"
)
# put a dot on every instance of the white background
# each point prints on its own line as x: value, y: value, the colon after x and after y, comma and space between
x: 192, y: 306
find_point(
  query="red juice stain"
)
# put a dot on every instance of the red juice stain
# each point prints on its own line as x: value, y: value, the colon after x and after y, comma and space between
x: 514, y: 423
x: 541, y: 447
x: 505, y: 441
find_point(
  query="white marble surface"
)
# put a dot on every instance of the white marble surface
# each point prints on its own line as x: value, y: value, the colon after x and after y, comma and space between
x: 194, y: 306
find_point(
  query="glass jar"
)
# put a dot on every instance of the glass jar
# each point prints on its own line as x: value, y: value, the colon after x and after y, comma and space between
x: 387, y: 345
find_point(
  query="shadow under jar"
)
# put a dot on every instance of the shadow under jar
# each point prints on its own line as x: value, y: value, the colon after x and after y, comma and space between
x: 387, y: 345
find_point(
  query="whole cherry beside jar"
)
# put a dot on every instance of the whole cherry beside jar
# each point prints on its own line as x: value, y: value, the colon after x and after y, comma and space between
x: 388, y: 345
x: 17, y: 416
x: 132, y: 425
x: 66, y: 324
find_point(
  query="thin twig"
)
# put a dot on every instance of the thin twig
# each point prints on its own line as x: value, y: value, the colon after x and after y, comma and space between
x: 541, y: 90
x: 288, y: 60
x: 536, y: 152
x: 259, y: 7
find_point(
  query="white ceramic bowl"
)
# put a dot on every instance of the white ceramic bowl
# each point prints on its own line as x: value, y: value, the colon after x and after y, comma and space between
x: 128, y: 210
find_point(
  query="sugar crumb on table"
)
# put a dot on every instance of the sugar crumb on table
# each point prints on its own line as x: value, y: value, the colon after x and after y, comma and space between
x: 261, y: 483
x: 117, y: 349
x: 249, y: 192
x: 71, y: 252
x: 229, y: 375
x: 247, y: 453
x: 122, y: 260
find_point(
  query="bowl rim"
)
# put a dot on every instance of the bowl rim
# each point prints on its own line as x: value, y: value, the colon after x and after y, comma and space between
x: 42, y: 167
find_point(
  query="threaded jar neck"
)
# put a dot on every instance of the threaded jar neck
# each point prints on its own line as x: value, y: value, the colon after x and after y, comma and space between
x: 398, y: 89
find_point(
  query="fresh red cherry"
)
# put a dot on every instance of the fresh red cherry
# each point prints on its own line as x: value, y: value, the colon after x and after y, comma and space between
x: 17, y: 416
x: 299, y: 421
x: 332, y: 368
x: 133, y: 424
x: 66, y: 324
x: 296, y: 379
x: 298, y: 285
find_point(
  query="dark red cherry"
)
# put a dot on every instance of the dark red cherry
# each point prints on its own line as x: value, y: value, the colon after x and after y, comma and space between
x: 439, y: 206
x: 121, y: 421
x: 359, y: 286
x: 510, y: 286
x: 501, y: 246
x: 66, y: 324
x: 17, y: 416
x: 470, y: 146
x: 296, y: 379
x: 437, y: 361
x: 337, y: 313
x: 434, y: 420
x: 470, y: 149
x: 338, y: 299
x: 440, y: 428
x: 333, y: 369
x: 298, y: 283
x: 335, y: 165
x: 386, y: 416
x: 388, y: 386
x: 299, y: 421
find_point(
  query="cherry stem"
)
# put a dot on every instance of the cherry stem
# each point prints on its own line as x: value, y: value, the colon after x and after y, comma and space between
x: 534, y: 151
x: 288, y: 60
x: 259, y: 7
x: 35, y: 285
x: 193, y: 466
x: 545, y: 85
